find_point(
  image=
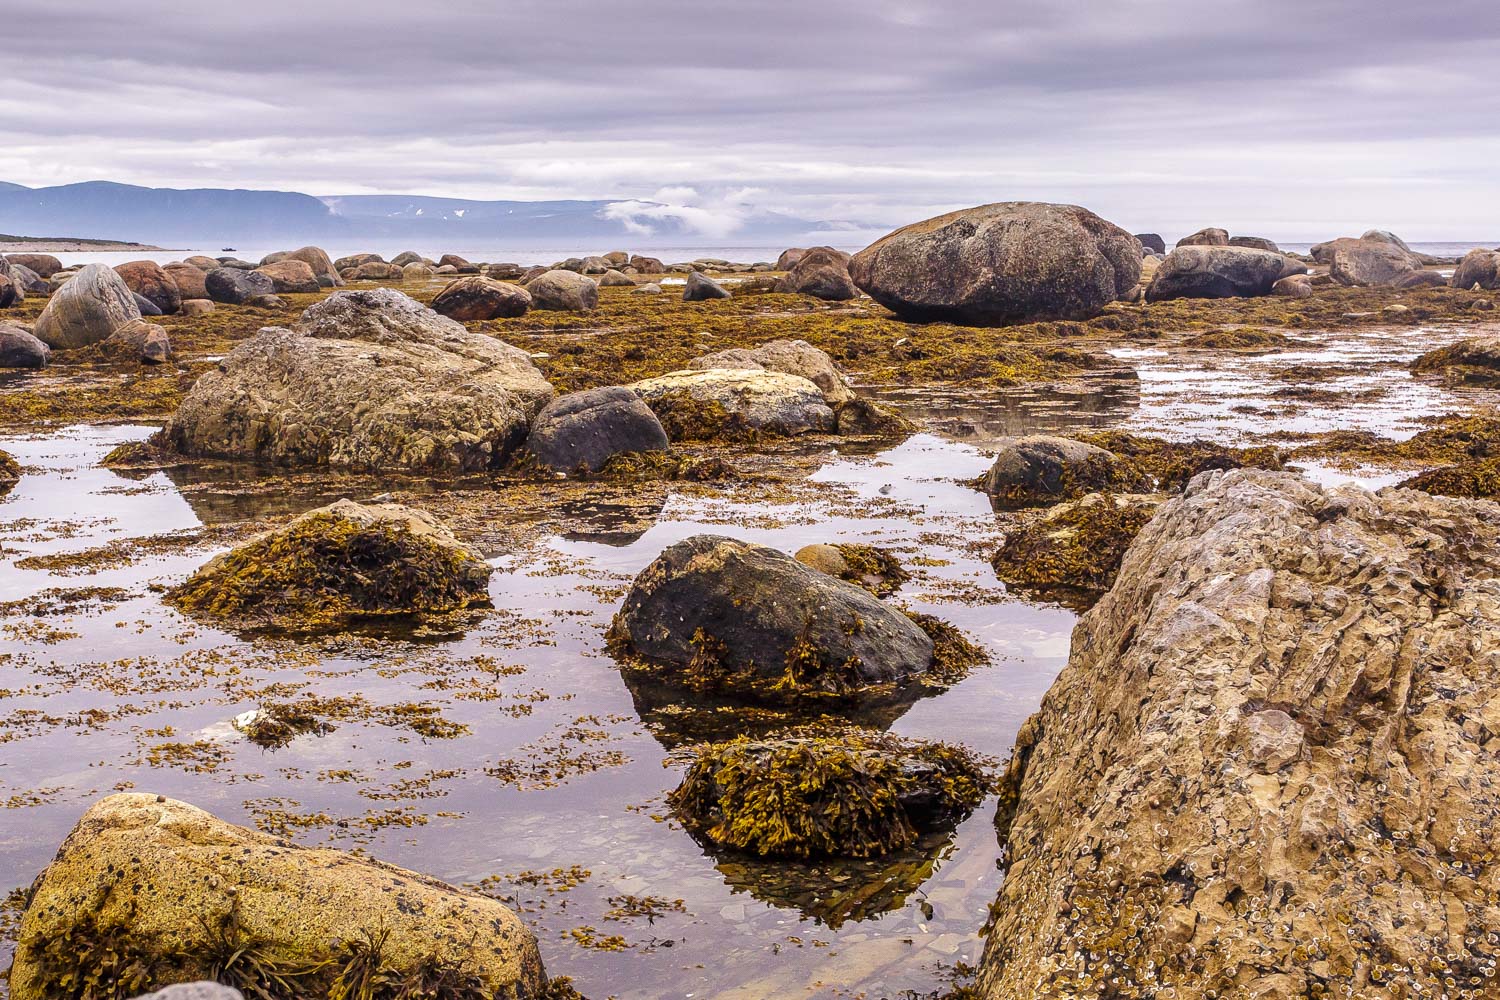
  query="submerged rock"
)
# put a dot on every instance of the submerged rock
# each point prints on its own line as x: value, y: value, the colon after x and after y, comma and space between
x: 1044, y: 469
x: 147, y: 891
x: 477, y: 298
x: 821, y: 272
x: 1218, y: 272
x: 564, y: 291
x: 699, y: 287
x: 148, y: 280
x: 584, y: 430
x: 1261, y: 773
x: 93, y: 304
x: 20, y: 349
x: 814, y: 793
x: 1011, y: 262
x: 1478, y: 267
x: 791, y: 357
x: 337, y: 563
x: 369, y: 379
x: 718, y: 614
x: 735, y: 403
x: 1074, y: 547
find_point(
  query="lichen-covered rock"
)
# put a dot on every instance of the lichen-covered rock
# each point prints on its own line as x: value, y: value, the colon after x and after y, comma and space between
x: 1218, y: 272
x: 147, y: 891
x: 1043, y: 469
x: 1363, y: 263
x: 584, y: 430
x: 1010, y: 262
x: 699, y: 287
x: 563, y: 291
x: 732, y: 403
x: 1478, y: 267
x: 717, y: 614
x: 868, y: 566
x: 1265, y: 771
x: 815, y: 793
x: 1076, y: 547
x: 20, y: 349
x: 290, y: 276
x: 369, y: 379
x: 821, y: 272
x: 477, y: 298
x: 792, y: 357
x: 236, y: 286
x: 147, y: 279
x: 337, y: 563
x: 90, y: 306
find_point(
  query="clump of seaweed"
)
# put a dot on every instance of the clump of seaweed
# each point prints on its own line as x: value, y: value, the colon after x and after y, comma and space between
x: 1247, y: 338
x: 665, y: 465
x: 953, y: 654
x: 804, y: 794
x: 92, y: 961
x: 685, y: 417
x: 1076, y: 548
x: 869, y: 566
x: 1474, y: 362
x: 1452, y: 439
x: 10, y: 469
x: 1171, y: 464
x: 1478, y: 479
x: 275, y: 725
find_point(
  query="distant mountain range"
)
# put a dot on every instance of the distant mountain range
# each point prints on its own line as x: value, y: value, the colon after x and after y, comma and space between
x: 213, y: 216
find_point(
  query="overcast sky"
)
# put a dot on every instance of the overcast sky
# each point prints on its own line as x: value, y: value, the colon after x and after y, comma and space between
x: 1296, y: 120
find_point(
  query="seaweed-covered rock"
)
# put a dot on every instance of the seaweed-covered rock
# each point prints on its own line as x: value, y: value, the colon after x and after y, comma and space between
x: 20, y: 349
x: 474, y: 297
x: 730, y: 403
x: 1478, y: 267
x: 10, y: 472
x: 869, y: 566
x: 718, y: 614
x: 1170, y: 465
x: 1218, y: 272
x: 1011, y: 262
x: 90, y: 306
x: 336, y: 563
x: 792, y: 357
x: 368, y: 379
x: 1263, y: 772
x: 1363, y: 263
x: 699, y: 287
x: 1476, y: 359
x: 1208, y: 237
x: 584, y: 430
x: 564, y: 291
x: 1043, y: 469
x: 1074, y: 547
x: 290, y: 277
x: 147, y: 891
x: 236, y: 286
x: 821, y: 272
x: 147, y: 279
x: 806, y: 794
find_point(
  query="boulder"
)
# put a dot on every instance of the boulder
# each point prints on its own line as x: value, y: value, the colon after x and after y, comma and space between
x: 161, y: 892
x: 339, y: 563
x: 789, y: 258
x: 202, y: 263
x: 815, y: 794
x: 141, y: 341
x: 868, y: 566
x: 356, y: 260
x: 504, y: 272
x: 11, y: 292
x: 1420, y: 279
x: 322, y: 268
x: 595, y: 265
x: 1209, y: 237
x: 476, y: 298
x: 28, y: 280
x: 532, y: 273
x: 1218, y: 272
x: 1042, y: 469
x: 821, y: 272
x: 564, y: 291
x: 1296, y: 286
x: 43, y: 264
x: 196, y: 307
x: 614, y: 279
x: 1478, y: 267
x: 145, y: 305
x: 190, y: 281
x: 1263, y: 773
x: 617, y: 258
x: 732, y: 403
x: 649, y: 288
x: 699, y: 288
x: 1474, y: 359
x: 1363, y: 263
x: 19, y: 349
x: 368, y: 379
x: 235, y: 262
x: 454, y: 261
x: 90, y: 306
x: 235, y: 286
x: 266, y: 302
x: 1152, y: 243
x: 377, y: 270
x: 792, y: 357
x: 648, y: 265
x: 716, y: 613
x: 406, y: 257
x: 1010, y: 262
x: 584, y: 430
x: 417, y: 272
x: 290, y: 277
x: 1254, y: 243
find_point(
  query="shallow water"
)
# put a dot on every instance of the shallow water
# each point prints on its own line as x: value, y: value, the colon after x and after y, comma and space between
x: 558, y: 763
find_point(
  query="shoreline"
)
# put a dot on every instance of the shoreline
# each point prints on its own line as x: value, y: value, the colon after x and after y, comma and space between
x: 49, y: 245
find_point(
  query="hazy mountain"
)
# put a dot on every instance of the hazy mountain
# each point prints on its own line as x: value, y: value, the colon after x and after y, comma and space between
x: 214, y: 216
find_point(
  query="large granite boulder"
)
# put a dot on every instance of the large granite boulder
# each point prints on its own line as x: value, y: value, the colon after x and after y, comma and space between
x: 821, y: 272
x: 791, y: 357
x: 1010, y: 262
x: 730, y: 403
x: 20, y: 349
x: 584, y: 430
x: 647, y: 265
x: 90, y: 306
x: 1363, y: 263
x: 1208, y: 237
x: 1218, y: 272
x: 716, y: 613
x: 236, y: 286
x: 1254, y: 243
x: 43, y: 264
x: 1478, y: 267
x: 26, y: 279
x: 564, y: 291
x: 188, y: 279
x: 476, y: 298
x: 322, y: 267
x: 12, y: 286
x: 147, y: 279
x: 1266, y: 770
x: 147, y: 891
x: 369, y: 379
x: 290, y: 276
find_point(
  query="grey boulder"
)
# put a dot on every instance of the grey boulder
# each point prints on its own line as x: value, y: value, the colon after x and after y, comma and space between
x: 584, y: 430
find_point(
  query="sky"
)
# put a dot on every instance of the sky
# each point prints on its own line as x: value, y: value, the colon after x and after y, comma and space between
x: 1297, y: 121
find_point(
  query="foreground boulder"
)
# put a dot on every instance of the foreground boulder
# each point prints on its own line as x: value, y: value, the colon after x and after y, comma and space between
x: 20, y: 349
x: 584, y: 430
x: 1218, y: 272
x: 148, y: 280
x: 337, y: 563
x: 717, y: 614
x: 1043, y: 469
x: 1363, y: 263
x: 147, y: 891
x: 791, y: 357
x: 1478, y: 267
x: 813, y: 793
x: 1011, y: 262
x: 477, y: 298
x: 237, y: 286
x: 1263, y: 772
x: 736, y: 403
x: 821, y: 272
x: 369, y: 379
x: 93, y: 304
x: 564, y: 291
